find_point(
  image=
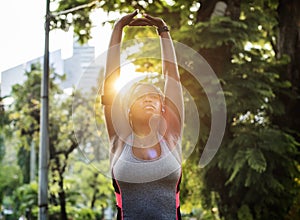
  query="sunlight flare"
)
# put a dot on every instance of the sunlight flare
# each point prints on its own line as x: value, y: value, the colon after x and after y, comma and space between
x: 128, y: 76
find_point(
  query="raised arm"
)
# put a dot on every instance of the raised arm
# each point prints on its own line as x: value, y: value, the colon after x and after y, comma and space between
x: 173, y: 88
x: 112, y: 71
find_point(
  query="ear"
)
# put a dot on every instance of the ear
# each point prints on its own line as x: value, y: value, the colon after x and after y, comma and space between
x: 129, y: 118
x: 163, y: 109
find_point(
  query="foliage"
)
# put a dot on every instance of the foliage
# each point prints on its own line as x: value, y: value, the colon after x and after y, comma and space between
x: 24, y: 114
x: 81, y: 22
x: 75, y: 213
x: 24, y: 122
x: 25, y: 198
x: 93, y: 184
x: 3, y: 122
x: 10, y: 178
x: 2, y: 148
x: 217, y: 32
x: 66, y: 136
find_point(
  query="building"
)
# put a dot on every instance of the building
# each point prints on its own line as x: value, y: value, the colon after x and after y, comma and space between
x: 80, y: 69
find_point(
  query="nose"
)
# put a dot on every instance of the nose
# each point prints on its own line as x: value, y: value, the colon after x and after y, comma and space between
x: 147, y: 98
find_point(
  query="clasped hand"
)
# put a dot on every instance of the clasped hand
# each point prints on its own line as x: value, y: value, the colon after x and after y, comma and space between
x: 147, y: 20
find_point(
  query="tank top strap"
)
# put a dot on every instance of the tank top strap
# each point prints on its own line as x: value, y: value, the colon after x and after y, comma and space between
x: 175, y: 149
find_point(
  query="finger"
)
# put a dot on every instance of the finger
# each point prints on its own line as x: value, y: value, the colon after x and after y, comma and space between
x: 140, y: 23
x: 147, y: 20
x: 128, y: 18
x: 133, y: 23
x: 143, y: 20
x: 136, y: 11
x: 149, y: 17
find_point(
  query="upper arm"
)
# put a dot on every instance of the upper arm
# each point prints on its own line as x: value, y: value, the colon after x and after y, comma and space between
x: 108, y: 120
x: 174, y: 105
x: 173, y: 88
x: 117, y: 123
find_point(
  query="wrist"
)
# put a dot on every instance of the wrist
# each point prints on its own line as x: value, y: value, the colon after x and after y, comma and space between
x: 118, y: 26
x: 162, y: 24
x: 161, y: 29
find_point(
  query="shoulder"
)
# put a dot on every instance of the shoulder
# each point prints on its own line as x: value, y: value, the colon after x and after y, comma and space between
x: 117, y: 145
x: 173, y: 140
x: 173, y: 143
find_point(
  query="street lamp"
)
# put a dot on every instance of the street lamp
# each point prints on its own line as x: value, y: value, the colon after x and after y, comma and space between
x: 44, y: 126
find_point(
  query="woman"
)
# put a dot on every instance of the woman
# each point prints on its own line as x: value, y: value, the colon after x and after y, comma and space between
x: 146, y: 142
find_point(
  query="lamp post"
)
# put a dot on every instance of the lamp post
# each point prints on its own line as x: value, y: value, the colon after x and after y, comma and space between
x: 44, y: 127
x: 44, y: 115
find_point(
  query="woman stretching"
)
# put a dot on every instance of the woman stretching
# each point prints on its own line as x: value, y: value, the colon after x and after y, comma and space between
x: 145, y: 132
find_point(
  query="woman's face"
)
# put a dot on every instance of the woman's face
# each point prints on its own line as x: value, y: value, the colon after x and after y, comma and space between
x: 146, y: 106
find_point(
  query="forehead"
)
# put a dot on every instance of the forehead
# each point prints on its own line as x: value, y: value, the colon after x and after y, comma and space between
x: 142, y: 90
x: 152, y: 95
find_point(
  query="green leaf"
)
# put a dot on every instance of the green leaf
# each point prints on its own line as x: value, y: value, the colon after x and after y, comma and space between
x: 244, y: 213
x: 240, y: 160
x: 256, y: 160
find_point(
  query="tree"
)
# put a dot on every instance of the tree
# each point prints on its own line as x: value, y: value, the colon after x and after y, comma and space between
x: 23, y: 121
x: 95, y: 188
x: 3, y: 121
x: 66, y: 136
x: 10, y: 174
x: 25, y: 198
x: 245, y: 168
x: 253, y: 47
x: 288, y: 45
x: 24, y: 115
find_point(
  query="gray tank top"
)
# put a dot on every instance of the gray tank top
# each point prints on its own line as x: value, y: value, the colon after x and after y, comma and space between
x: 147, y: 189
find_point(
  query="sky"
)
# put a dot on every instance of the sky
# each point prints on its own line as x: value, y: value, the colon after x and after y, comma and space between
x: 22, y: 31
x: 22, y: 35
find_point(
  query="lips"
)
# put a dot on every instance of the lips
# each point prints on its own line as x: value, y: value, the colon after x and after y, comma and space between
x: 149, y: 107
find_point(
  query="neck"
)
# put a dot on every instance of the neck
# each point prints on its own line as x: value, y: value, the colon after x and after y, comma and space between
x: 145, y: 132
x: 145, y: 128
x: 146, y: 140
x: 141, y: 130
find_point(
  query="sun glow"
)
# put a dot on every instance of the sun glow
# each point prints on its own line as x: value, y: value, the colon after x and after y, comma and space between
x: 128, y: 76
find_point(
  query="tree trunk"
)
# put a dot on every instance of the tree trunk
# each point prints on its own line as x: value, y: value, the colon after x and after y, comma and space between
x: 289, y: 44
x: 61, y: 194
x: 62, y: 200
x: 94, y: 186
